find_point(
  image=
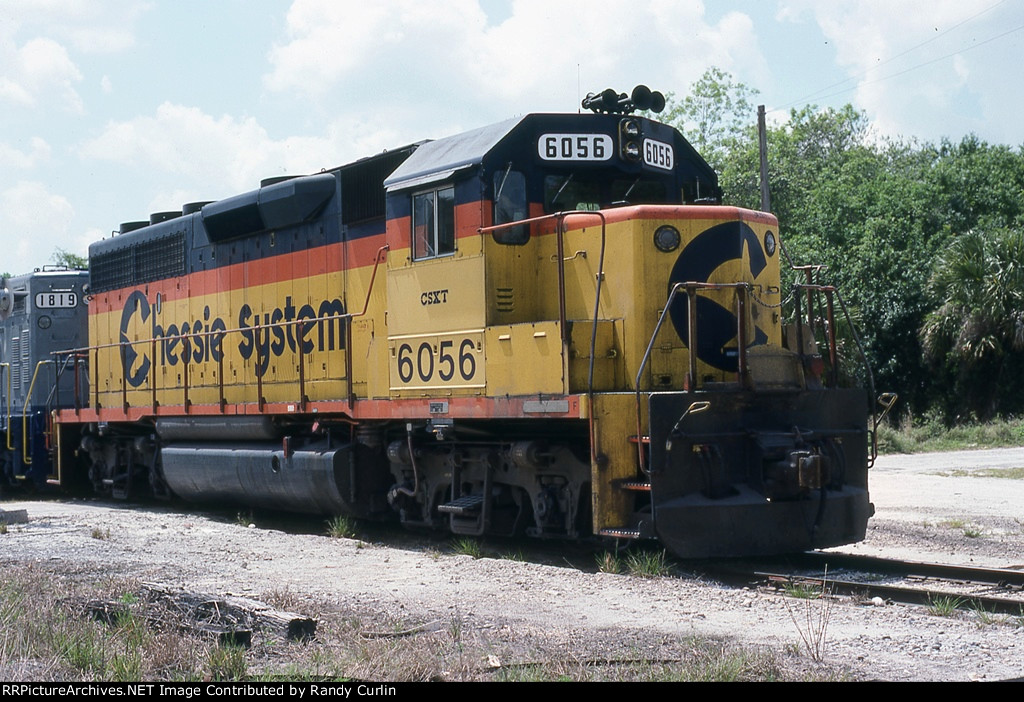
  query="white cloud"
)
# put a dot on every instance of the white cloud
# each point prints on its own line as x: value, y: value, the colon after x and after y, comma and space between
x: 327, y: 39
x: 38, y: 68
x: 912, y: 63
x: 38, y: 152
x: 35, y: 222
x: 532, y: 59
x: 86, y: 25
x: 200, y: 157
x: 38, y: 39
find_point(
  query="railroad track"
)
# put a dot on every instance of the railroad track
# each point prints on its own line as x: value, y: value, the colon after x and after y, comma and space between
x: 992, y: 590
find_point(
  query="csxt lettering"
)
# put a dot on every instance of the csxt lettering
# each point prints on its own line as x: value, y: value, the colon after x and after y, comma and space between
x: 434, y: 297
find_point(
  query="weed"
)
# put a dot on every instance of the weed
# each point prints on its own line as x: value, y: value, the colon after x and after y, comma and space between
x: 648, y: 564
x: 944, y: 606
x: 986, y: 618
x: 802, y: 590
x: 972, y: 532
x: 245, y: 519
x: 516, y: 555
x: 953, y: 523
x: 812, y: 623
x: 468, y: 547
x: 226, y: 663
x: 81, y: 647
x: 100, y: 534
x: 340, y: 527
x: 609, y: 563
x: 455, y: 631
x: 3, y: 527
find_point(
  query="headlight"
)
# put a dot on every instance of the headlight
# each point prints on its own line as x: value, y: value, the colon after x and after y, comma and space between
x: 769, y: 243
x: 667, y: 238
x: 630, y: 128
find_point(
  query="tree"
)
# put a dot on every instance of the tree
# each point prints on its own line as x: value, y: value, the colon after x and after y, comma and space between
x: 70, y: 260
x: 976, y: 336
x: 714, y: 112
x: 878, y: 213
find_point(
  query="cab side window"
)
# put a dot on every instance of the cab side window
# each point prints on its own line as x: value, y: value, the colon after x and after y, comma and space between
x: 433, y: 223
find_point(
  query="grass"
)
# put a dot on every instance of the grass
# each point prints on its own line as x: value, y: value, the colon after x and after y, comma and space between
x: 45, y: 636
x: 802, y: 590
x: 468, y: 547
x: 648, y: 564
x: 969, y: 530
x: 642, y: 563
x: 945, y: 606
x: 608, y: 562
x: 340, y: 527
x: 1015, y: 473
x: 985, y: 618
x: 922, y: 435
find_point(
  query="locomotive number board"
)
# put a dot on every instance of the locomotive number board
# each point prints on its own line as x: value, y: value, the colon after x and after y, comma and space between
x: 56, y: 300
x: 575, y: 147
x: 658, y: 154
x: 437, y: 361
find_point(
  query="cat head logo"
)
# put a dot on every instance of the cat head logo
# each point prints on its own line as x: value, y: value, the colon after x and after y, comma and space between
x: 716, y: 324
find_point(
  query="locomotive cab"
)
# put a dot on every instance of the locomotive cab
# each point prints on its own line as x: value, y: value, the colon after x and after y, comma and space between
x: 617, y: 293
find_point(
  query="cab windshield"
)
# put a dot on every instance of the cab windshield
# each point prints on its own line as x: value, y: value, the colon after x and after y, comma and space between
x: 575, y: 192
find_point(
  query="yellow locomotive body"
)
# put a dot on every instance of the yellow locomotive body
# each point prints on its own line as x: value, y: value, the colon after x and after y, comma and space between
x: 489, y: 333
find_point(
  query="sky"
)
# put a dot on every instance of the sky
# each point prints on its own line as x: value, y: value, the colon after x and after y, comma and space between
x: 114, y: 109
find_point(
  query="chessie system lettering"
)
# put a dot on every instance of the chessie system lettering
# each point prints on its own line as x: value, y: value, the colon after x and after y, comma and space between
x: 261, y: 334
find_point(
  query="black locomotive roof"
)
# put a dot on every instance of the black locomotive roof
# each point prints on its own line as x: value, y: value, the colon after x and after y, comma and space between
x: 437, y: 160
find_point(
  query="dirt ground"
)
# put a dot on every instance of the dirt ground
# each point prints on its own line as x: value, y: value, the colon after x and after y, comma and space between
x: 947, y: 507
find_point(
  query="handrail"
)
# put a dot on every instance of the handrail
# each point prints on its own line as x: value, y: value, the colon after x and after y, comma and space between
x: 559, y: 219
x: 560, y: 230
x: 7, y: 366
x: 26, y: 459
x: 691, y: 288
x: 886, y: 400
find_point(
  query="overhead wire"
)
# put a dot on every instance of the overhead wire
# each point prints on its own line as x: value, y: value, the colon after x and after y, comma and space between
x: 858, y: 77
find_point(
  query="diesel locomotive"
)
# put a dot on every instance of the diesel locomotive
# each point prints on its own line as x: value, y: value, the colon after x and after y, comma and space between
x: 549, y: 326
x: 41, y: 313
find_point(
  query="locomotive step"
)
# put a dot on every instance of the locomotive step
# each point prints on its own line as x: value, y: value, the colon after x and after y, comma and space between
x: 640, y: 440
x: 634, y: 485
x: 621, y: 533
x: 470, y: 504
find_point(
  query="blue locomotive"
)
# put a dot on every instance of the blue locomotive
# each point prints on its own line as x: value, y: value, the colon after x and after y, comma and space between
x: 41, y: 313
